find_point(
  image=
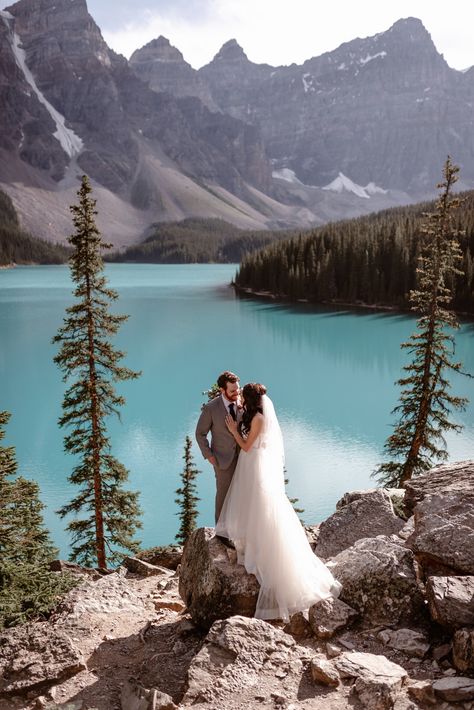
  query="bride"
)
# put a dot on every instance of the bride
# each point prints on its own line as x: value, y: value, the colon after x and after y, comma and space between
x: 257, y: 515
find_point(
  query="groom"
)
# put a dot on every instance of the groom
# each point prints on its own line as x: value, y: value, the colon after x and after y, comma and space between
x: 222, y: 452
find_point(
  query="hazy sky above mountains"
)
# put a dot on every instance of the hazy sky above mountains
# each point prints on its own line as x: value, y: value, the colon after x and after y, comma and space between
x: 277, y: 32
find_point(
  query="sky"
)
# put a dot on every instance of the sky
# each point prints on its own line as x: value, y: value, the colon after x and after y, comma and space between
x: 277, y: 32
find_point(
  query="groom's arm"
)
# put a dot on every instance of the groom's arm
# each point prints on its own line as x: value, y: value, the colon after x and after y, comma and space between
x: 203, y: 428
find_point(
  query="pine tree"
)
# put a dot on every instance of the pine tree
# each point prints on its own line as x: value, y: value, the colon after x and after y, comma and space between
x: 28, y: 588
x: 425, y: 400
x: 294, y: 501
x: 110, y: 513
x: 187, y: 498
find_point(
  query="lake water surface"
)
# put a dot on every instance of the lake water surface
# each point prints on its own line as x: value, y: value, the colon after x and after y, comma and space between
x: 330, y: 374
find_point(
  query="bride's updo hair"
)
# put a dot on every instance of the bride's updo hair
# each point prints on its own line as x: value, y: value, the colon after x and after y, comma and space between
x: 252, y: 394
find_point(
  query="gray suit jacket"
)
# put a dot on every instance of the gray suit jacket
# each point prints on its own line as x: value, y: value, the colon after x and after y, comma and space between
x: 223, y: 445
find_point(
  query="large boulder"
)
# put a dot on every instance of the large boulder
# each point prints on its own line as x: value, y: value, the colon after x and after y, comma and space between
x: 359, y: 514
x: 378, y: 580
x: 451, y: 600
x: 36, y: 655
x: 447, y: 478
x: 378, y: 680
x: 443, y: 539
x: 236, y: 654
x: 212, y: 585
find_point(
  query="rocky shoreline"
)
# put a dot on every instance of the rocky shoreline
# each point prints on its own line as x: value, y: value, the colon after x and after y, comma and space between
x: 153, y: 635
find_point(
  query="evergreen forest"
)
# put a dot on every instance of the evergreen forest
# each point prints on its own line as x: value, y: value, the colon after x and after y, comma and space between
x: 19, y: 247
x: 200, y: 241
x: 370, y: 260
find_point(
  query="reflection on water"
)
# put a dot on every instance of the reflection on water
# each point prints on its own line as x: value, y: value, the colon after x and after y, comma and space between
x: 331, y: 376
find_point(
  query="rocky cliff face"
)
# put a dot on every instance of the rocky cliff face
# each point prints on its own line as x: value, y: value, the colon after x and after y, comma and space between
x: 163, y: 68
x: 385, y: 109
x: 72, y: 102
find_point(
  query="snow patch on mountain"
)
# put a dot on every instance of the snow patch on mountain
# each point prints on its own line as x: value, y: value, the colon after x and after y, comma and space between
x: 287, y: 175
x: 307, y: 80
x: 369, y: 57
x: 345, y: 184
x: 70, y: 142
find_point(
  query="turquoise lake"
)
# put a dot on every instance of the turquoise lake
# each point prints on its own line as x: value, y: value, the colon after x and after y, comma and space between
x: 330, y: 374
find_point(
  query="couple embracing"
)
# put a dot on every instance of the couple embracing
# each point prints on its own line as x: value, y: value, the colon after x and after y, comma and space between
x: 252, y: 510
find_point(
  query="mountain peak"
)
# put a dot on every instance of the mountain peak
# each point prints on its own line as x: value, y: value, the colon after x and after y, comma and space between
x: 159, y: 49
x: 231, y: 51
x: 410, y: 28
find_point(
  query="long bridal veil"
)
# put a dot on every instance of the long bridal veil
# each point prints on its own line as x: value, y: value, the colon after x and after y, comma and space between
x: 269, y: 538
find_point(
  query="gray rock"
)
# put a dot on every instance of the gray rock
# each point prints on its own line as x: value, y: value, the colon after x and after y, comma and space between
x: 440, y: 652
x: 329, y: 616
x: 73, y: 568
x: 378, y: 680
x: 298, y: 626
x: 333, y: 650
x: 312, y: 533
x: 324, y: 672
x: 454, y: 689
x: 447, y: 478
x: 443, y: 540
x: 410, y: 642
x: 407, y: 529
x: 142, y: 568
x: 109, y: 594
x: 463, y: 650
x: 359, y: 514
x: 451, y: 600
x: 135, y: 697
x: 35, y: 655
x: 211, y: 583
x: 378, y: 580
x: 163, y: 556
x: 233, y: 655
x: 422, y: 691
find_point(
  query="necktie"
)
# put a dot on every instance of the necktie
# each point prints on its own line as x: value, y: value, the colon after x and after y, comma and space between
x: 231, y: 410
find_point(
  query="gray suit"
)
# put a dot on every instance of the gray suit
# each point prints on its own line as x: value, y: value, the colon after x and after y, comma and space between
x: 223, y: 446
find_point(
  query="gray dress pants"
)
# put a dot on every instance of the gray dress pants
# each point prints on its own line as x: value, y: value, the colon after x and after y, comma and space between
x: 223, y: 481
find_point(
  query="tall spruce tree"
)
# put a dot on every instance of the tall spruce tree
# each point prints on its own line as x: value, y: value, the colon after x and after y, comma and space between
x: 110, y: 514
x: 425, y: 400
x: 28, y: 589
x: 187, y: 497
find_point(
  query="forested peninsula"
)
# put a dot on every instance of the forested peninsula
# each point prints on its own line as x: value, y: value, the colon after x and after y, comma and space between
x: 368, y: 261
x: 19, y: 247
x: 197, y: 241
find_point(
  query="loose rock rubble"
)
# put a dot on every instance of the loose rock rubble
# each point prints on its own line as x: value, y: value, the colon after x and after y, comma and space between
x: 147, y: 637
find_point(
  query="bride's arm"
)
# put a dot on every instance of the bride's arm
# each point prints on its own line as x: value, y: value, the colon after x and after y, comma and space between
x: 255, y: 429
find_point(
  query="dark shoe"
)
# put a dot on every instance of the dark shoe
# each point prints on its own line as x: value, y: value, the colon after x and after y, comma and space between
x: 225, y: 541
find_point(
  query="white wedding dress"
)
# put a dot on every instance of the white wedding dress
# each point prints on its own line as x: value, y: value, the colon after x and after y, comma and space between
x: 268, y: 536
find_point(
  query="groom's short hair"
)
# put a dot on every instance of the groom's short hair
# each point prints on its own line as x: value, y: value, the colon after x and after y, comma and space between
x: 226, y: 377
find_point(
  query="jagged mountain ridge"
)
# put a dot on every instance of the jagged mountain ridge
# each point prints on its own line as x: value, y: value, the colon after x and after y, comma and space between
x: 385, y: 109
x: 163, y: 141
x: 151, y: 153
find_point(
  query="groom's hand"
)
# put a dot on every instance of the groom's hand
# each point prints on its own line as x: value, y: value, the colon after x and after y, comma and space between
x: 212, y: 460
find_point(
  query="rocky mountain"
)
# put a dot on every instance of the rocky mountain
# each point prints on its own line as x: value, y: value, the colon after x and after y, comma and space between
x: 74, y: 105
x: 385, y: 109
x: 164, y: 68
x: 362, y: 128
